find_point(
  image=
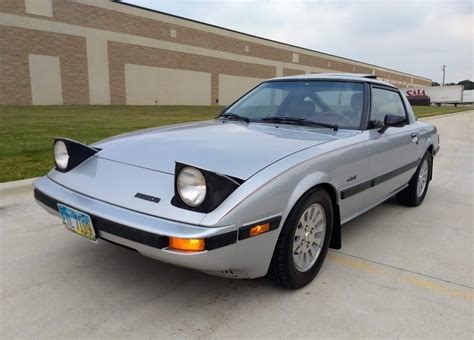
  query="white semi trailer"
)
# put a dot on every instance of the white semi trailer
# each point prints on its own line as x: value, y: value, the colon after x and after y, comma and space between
x: 452, y: 94
x: 468, y: 96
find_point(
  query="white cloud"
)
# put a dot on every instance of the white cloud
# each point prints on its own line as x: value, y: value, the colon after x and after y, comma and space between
x: 407, y: 35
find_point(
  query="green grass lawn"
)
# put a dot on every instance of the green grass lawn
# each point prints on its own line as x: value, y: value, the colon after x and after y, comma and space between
x: 427, y: 111
x: 26, y: 132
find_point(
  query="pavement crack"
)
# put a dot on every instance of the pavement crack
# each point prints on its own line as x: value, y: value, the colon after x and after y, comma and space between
x: 404, y: 270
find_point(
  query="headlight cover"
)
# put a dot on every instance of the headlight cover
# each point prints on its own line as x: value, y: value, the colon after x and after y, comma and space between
x: 68, y: 153
x: 191, y: 186
x: 201, y: 190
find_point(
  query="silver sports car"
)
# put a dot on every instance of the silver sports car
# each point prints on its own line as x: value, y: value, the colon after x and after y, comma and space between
x: 263, y: 188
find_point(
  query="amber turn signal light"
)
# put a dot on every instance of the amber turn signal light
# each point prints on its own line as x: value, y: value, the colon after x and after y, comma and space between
x: 259, y: 229
x: 187, y: 244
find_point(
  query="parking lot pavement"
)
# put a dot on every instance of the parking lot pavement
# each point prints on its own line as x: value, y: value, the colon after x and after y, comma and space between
x: 401, y: 272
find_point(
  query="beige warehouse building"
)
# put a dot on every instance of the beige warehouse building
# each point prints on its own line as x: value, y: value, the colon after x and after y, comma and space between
x: 105, y: 52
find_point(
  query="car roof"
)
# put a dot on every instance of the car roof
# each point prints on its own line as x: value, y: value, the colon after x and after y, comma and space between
x: 370, y: 78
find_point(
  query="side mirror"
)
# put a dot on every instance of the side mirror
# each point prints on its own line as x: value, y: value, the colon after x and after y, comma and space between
x: 393, y: 121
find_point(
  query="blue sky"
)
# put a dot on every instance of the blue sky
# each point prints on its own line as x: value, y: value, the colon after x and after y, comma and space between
x: 415, y: 36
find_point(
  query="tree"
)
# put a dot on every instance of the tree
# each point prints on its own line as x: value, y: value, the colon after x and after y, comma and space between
x: 435, y: 83
x: 468, y: 84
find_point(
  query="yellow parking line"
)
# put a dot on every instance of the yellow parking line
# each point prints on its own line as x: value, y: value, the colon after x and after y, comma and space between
x: 354, y: 263
x: 427, y: 284
x: 412, y: 279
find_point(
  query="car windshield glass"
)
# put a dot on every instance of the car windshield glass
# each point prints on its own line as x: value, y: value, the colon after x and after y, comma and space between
x: 330, y: 103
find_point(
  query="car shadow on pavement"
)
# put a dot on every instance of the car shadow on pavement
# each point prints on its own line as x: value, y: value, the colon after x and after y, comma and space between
x: 128, y: 267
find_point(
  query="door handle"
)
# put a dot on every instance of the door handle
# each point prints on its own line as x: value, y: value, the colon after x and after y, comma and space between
x: 414, y: 138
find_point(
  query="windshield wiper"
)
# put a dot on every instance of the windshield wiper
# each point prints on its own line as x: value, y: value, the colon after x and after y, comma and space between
x: 230, y: 115
x: 299, y: 121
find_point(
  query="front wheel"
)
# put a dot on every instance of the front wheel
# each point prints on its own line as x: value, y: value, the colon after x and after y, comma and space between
x: 304, y: 240
x: 415, y: 193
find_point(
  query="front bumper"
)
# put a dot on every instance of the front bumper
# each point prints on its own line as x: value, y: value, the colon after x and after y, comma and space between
x: 225, y: 254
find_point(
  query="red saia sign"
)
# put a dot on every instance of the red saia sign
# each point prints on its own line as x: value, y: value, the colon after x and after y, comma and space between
x: 416, y: 92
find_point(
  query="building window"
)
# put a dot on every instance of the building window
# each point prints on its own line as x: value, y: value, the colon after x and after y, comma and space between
x: 39, y: 7
x: 329, y: 64
x: 296, y: 58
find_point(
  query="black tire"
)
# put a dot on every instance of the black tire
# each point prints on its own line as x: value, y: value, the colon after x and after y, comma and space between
x: 409, y: 195
x: 282, y: 268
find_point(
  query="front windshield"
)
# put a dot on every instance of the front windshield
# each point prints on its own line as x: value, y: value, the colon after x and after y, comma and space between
x: 328, y: 102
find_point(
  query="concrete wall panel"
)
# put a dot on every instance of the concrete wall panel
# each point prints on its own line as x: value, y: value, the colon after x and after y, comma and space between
x: 98, y: 70
x: 232, y: 87
x: 39, y: 7
x: 45, y: 78
x: 120, y: 54
x: 148, y: 85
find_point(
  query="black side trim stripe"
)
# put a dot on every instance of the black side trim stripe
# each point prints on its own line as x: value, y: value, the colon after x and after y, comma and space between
x: 137, y: 235
x: 119, y: 245
x: 132, y: 234
x: 117, y: 229
x: 354, y: 190
x: 244, y: 232
x: 222, y: 240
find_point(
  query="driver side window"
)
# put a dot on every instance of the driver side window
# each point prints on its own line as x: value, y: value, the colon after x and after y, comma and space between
x: 385, y: 102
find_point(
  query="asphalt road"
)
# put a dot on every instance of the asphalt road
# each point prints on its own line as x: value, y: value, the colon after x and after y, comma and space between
x: 402, y: 272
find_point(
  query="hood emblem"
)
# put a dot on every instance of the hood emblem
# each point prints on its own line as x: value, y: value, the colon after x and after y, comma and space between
x: 351, y: 178
x: 147, y: 197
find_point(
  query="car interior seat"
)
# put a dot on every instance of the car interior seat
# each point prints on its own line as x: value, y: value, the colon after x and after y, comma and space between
x: 355, y: 114
x: 301, y: 108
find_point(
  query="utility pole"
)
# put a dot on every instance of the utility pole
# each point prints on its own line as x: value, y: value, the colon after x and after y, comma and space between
x: 443, y: 67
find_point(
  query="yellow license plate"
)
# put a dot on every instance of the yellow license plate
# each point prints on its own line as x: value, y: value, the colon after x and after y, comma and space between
x: 78, y: 222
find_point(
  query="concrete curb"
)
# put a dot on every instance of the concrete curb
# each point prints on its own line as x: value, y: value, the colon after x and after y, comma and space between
x: 447, y: 115
x: 16, y: 185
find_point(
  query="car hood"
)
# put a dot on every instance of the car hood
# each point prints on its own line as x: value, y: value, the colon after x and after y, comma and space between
x: 231, y: 148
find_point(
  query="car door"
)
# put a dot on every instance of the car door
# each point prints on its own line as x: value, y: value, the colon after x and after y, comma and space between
x: 393, y: 153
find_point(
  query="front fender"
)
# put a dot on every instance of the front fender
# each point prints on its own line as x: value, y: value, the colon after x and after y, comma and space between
x: 272, y: 193
x: 308, y: 182
x: 276, y: 197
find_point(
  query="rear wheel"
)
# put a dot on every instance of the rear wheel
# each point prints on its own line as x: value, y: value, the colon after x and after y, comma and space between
x: 304, y: 241
x: 415, y: 193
